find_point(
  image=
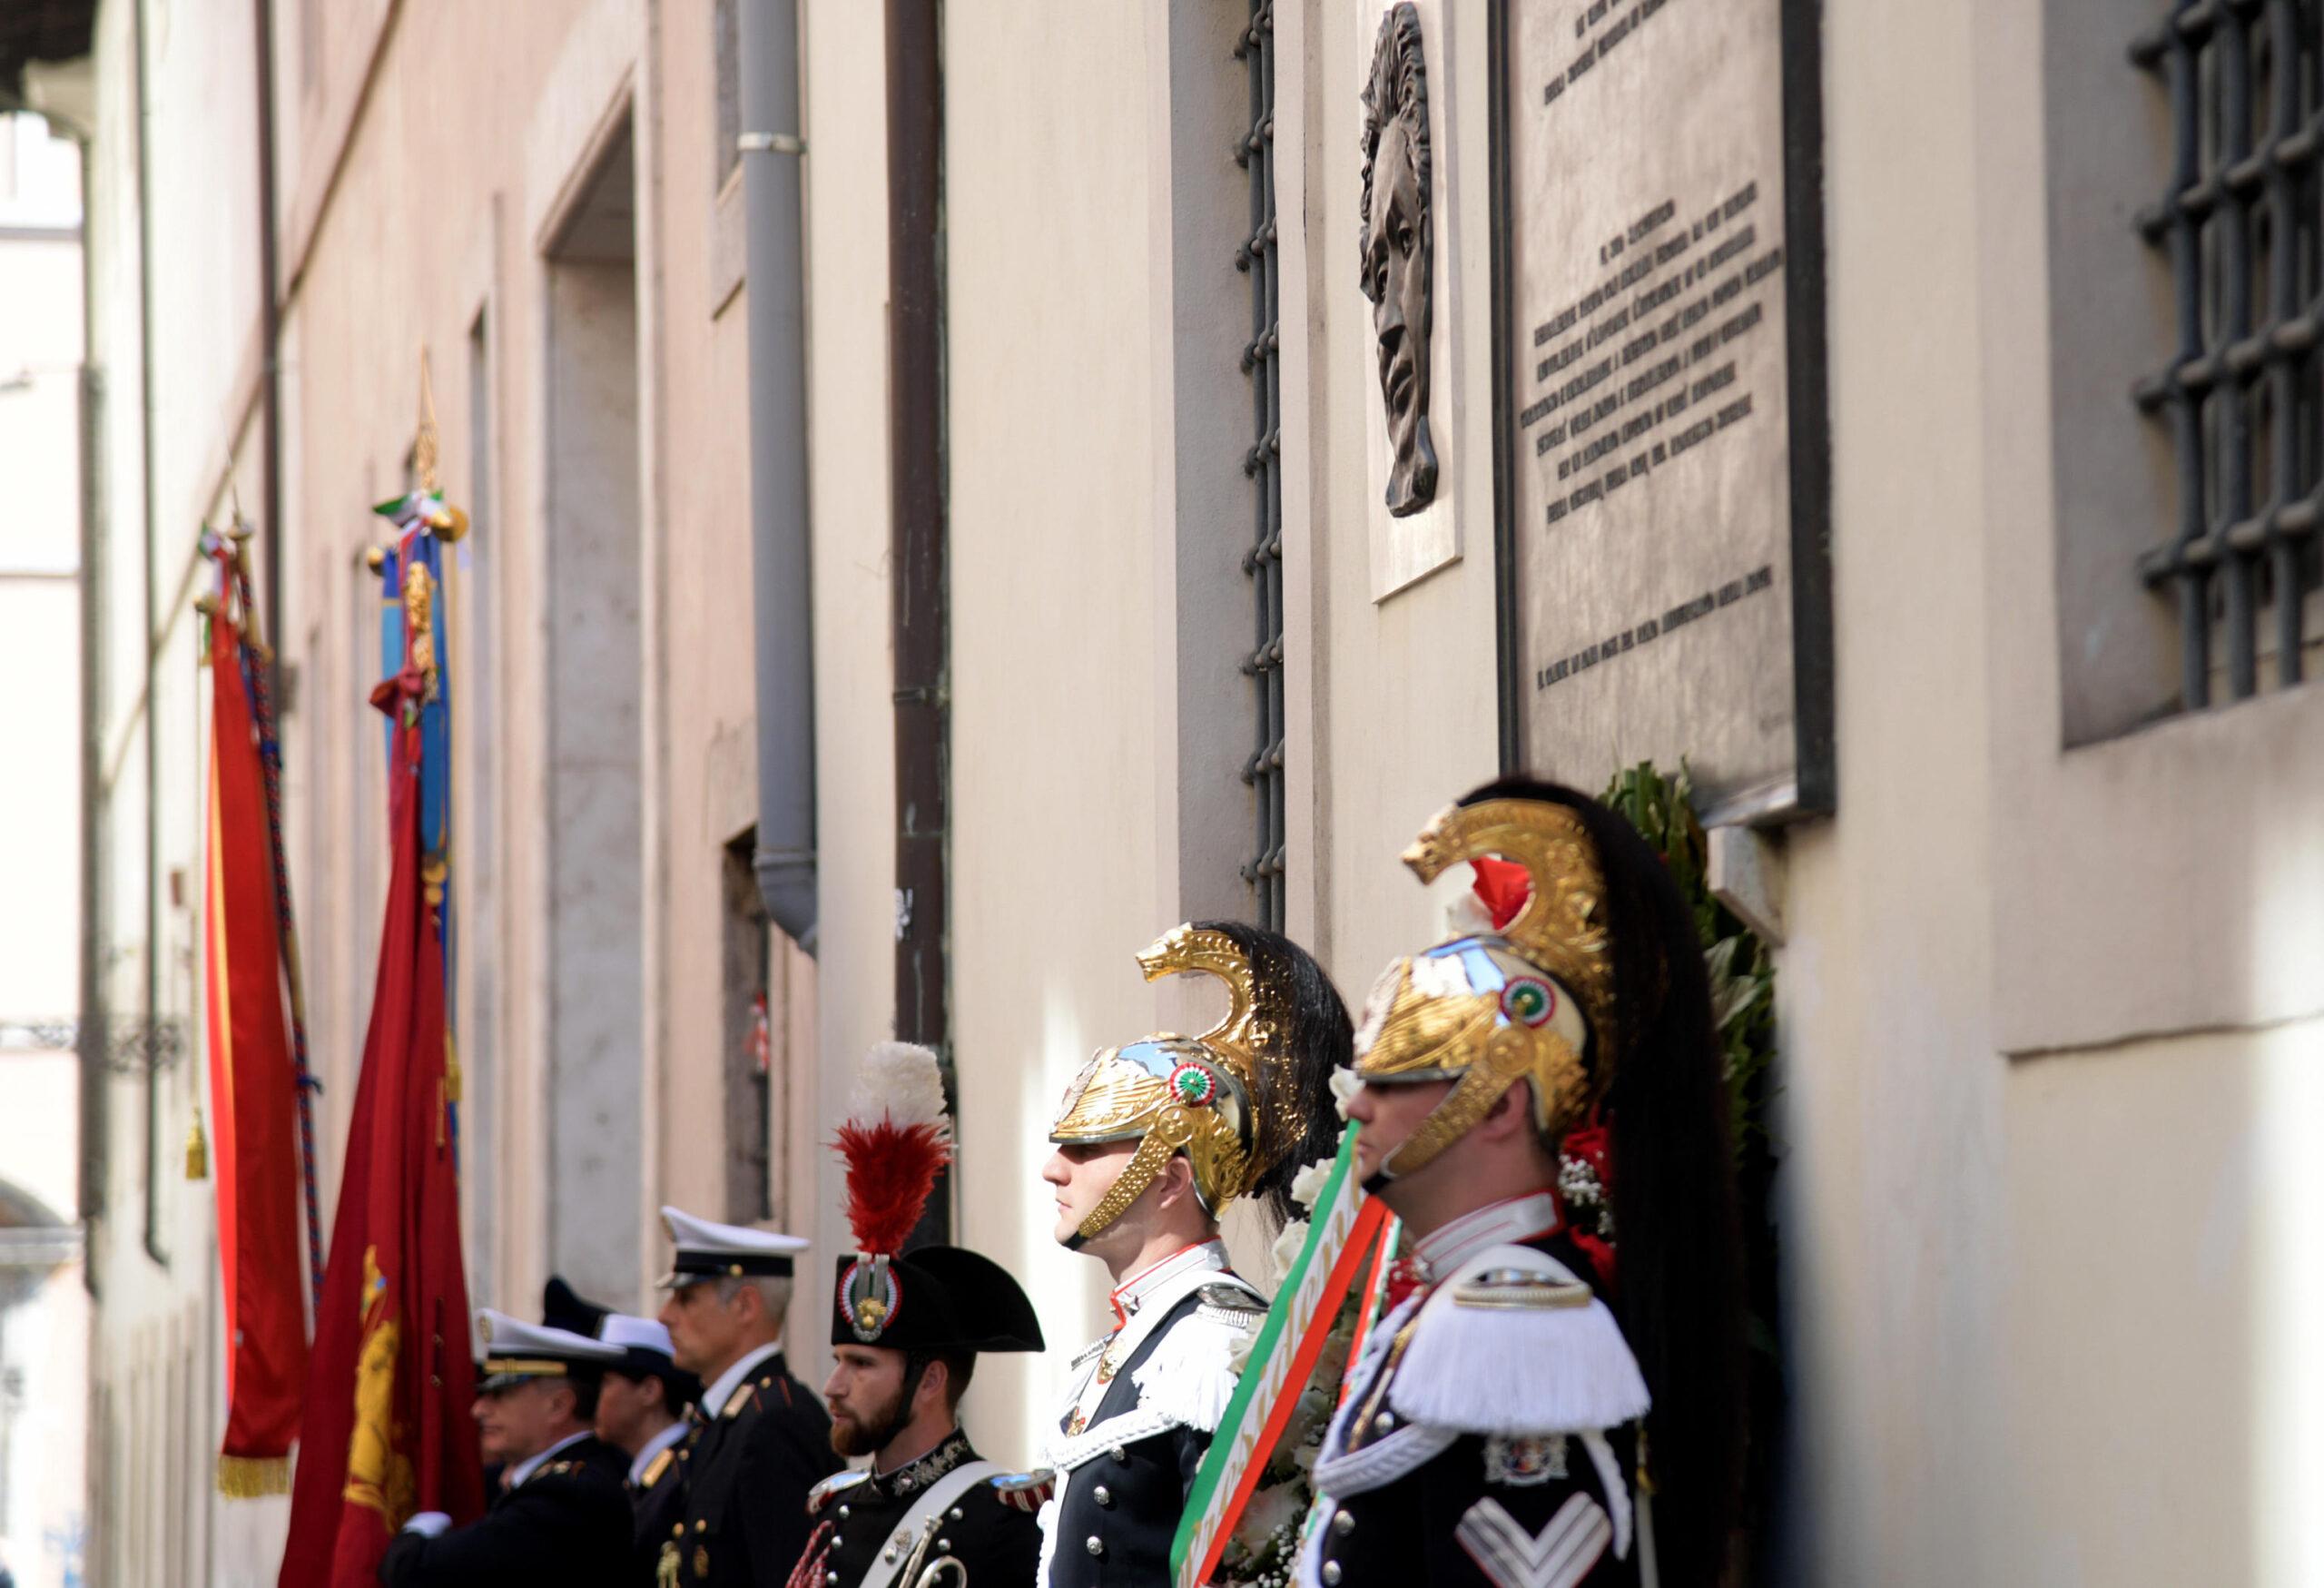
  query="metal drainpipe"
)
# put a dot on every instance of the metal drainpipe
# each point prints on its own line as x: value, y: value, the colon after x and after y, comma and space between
x: 269, y: 328
x: 152, y: 1022
x: 93, y: 1025
x: 919, y: 614
x: 782, y: 600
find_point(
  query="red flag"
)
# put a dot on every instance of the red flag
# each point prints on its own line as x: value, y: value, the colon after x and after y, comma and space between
x: 252, y: 1092
x: 388, y: 1429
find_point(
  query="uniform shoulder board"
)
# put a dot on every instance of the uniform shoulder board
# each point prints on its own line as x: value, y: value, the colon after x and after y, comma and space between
x: 557, y: 1469
x: 1023, y: 1491
x: 742, y: 1397
x: 1513, y: 1343
x: 657, y: 1467
x: 1232, y: 1297
x: 1231, y: 1305
x: 838, y: 1483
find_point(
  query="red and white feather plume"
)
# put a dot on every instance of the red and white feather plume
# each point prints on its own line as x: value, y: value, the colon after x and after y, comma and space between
x: 897, y: 1138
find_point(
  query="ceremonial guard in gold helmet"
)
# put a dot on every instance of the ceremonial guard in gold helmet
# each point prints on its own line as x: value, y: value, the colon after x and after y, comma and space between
x: 1528, y: 1388
x: 1154, y: 1139
x: 907, y: 1327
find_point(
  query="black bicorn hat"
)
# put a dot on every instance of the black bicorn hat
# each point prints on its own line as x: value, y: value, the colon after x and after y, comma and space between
x: 563, y: 1308
x: 932, y: 1299
x: 896, y: 1140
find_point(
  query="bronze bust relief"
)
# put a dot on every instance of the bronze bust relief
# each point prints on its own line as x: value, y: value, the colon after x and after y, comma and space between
x: 1399, y: 233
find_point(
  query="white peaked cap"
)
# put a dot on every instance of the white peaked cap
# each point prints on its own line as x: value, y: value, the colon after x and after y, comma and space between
x: 619, y: 1328
x: 513, y: 1349
x: 706, y: 1250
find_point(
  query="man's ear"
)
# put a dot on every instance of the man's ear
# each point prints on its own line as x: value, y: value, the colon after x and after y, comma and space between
x: 1174, y: 1182
x: 935, y: 1379
x: 1511, y: 1112
x: 657, y: 1392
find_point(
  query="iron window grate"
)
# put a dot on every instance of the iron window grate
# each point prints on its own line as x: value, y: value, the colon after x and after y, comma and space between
x: 1263, y: 464
x: 2241, y: 230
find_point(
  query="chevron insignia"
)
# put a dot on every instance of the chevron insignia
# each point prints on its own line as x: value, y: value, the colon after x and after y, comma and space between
x: 1558, y: 1556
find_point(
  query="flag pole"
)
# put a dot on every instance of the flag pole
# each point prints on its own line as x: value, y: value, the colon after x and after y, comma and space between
x: 271, y: 762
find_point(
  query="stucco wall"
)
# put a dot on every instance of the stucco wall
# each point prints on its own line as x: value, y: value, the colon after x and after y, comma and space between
x: 2045, y: 1027
x: 1405, y: 696
x: 843, y: 100
x: 1060, y: 719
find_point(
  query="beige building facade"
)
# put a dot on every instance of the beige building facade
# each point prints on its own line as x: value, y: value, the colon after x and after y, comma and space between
x: 2050, y: 1022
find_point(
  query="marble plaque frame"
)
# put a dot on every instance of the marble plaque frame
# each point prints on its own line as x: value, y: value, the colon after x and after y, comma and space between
x: 1790, y: 771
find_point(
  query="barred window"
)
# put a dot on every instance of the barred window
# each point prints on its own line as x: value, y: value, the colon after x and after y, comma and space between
x: 1263, y: 463
x: 2239, y: 228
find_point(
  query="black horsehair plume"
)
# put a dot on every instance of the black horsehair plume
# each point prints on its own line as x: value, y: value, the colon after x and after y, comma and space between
x: 1312, y: 1035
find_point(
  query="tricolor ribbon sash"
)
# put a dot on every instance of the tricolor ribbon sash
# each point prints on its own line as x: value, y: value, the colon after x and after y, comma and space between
x: 1345, y: 1229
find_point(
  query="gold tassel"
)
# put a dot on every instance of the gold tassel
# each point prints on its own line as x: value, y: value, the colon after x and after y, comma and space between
x: 197, y: 1150
x: 246, y: 1477
x: 451, y: 1070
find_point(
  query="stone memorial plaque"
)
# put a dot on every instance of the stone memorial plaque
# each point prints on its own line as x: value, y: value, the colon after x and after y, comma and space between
x: 1661, y: 445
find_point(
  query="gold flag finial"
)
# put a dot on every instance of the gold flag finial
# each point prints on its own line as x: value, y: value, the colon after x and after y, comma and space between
x: 423, y: 445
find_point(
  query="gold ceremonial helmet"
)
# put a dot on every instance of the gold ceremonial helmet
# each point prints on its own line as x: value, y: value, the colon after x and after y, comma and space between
x: 1532, y: 1001
x: 1212, y: 1097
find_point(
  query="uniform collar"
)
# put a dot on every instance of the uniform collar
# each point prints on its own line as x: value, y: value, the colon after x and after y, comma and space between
x: 652, y: 1448
x: 532, y: 1464
x: 723, y: 1387
x: 1503, y: 1223
x: 1207, y: 1256
x: 913, y: 1477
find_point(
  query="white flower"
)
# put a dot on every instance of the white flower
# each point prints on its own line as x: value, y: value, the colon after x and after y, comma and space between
x: 1345, y: 1084
x: 1287, y: 1245
x: 1308, y: 1183
x: 1269, y: 1509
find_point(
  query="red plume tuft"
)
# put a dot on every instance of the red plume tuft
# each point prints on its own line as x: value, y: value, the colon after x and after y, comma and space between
x: 1503, y: 886
x: 890, y: 1171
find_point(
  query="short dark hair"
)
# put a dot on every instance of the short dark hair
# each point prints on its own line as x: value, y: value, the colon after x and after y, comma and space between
x: 960, y: 1367
x: 585, y: 1386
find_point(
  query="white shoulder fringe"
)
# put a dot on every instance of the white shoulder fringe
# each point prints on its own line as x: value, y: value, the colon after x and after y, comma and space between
x: 1190, y: 1374
x: 1517, y: 1371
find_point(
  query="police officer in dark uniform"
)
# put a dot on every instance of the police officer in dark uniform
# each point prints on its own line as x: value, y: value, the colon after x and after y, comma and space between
x: 764, y: 1442
x: 906, y: 1331
x: 1505, y: 1423
x: 1154, y: 1139
x: 560, y: 1516
x: 646, y: 1408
